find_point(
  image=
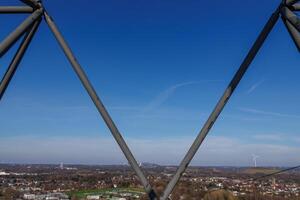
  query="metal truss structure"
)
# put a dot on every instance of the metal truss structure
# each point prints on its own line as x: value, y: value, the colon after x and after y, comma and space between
x: 27, y: 29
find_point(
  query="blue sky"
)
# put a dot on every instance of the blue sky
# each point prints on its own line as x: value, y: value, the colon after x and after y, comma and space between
x: 159, y: 67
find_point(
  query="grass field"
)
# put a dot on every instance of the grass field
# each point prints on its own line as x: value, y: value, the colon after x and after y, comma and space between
x: 107, y: 192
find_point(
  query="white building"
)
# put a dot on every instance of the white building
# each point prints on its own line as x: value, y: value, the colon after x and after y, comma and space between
x: 4, y: 174
x: 29, y: 196
x: 93, y: 197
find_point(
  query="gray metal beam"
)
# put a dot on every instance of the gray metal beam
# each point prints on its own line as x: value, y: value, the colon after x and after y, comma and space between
x: 17, y: 58
x: 221, y: 104
x: 295, y: 35
x: 15, y: 9
x: 32, y: 3
x: 290, y: 2
x: 291, y: 17
x: 102, y: 110
x: 296, y: 7
x: 20, y: 30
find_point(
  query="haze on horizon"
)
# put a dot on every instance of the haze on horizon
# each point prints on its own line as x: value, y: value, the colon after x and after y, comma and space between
x: 160, y: 68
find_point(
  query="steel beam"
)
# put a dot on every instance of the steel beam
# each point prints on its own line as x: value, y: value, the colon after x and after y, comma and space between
x: 222, y: 102
x: 20, y: 30
x: 294, y: 33
x: 15, y: 9
x: 290, y: 2
x: 296, y: 7
x: 291, y: 17
x: 32, y: 3
x: 102, y: 110
x: 17, y: 58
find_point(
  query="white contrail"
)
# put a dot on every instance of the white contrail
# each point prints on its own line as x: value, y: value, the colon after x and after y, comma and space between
x: 166, y: 94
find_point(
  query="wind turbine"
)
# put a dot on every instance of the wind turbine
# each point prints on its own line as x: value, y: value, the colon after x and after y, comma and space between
x: 254, y: 157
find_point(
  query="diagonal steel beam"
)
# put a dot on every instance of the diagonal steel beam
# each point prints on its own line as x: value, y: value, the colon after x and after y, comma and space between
x: 99, y: 105
x: 20, y: 30
x: 222, y: 102
x: 294, y: 33
x: 291, y: 17
x: 15, y: 9
x: 17, y: 58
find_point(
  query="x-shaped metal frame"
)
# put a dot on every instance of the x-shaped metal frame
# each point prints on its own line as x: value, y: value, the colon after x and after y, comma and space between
x: 30, y: 25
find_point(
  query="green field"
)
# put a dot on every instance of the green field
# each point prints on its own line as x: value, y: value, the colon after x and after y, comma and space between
x: 108, y: 192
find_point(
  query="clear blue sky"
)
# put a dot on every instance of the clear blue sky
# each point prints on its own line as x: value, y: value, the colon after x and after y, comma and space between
x: 159, y: 67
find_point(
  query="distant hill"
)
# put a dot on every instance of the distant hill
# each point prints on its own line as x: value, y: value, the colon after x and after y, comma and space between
x: 219, y: 195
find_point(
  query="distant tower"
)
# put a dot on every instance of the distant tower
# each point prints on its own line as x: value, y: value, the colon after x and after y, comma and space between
x: 61, y: 166
x: 255, y: 159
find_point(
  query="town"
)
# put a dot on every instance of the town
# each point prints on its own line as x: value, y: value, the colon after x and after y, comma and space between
x: 62, y: 182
